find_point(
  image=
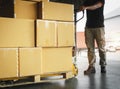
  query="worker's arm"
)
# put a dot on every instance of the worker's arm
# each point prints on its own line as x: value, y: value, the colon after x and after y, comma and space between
x: 95, y: 6
x: 92, y: 7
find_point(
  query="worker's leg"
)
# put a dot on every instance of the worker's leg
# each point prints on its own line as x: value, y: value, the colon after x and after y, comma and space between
x: 100, y: 39
x: 89, y: 40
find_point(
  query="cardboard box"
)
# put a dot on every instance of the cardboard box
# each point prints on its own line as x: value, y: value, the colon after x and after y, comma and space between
x: 55, y: 11
x: 8, y: 63
x: 30, y: 61
x: 25, y: 9
x: 66, y: 34
x: 16, y: 32
x: 46, y: 33
x: 56, y: 60
x: 55, y: 33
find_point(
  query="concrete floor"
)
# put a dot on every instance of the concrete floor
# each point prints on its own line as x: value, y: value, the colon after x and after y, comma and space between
x: 110, y: 80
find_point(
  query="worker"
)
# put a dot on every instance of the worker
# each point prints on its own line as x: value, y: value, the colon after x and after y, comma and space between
x: 94, y: 30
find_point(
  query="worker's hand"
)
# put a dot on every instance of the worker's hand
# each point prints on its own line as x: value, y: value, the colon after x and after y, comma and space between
x: 82, y: 8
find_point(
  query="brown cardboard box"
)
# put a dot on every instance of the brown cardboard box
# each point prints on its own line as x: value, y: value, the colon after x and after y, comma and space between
x: 66, y: 34
x: 30, y: 61
x: 55, y: 33
x: 46, y: 33
x: 56, y: 60
x: 16, y: 32
x: 55, y: 11
x: 8, y: 62
x: 25, y: 9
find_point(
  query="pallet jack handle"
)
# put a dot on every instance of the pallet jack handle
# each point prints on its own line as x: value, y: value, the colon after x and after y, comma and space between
x: 75, y: 68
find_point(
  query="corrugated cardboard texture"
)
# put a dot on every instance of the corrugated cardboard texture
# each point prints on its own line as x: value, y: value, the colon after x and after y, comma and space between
x: 56, y: 60
x: 66, y: 33
x: 25, y: 9
x: 55, y: 11
x: 46, y: 33
x: 16, y: 32
x: 30, y: 61
x: 8, y: 62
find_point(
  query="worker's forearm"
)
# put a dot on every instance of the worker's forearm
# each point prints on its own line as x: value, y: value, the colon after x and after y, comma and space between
x: 93, y: 7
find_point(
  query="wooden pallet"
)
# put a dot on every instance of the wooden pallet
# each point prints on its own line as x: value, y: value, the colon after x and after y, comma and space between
x: 35, y: 79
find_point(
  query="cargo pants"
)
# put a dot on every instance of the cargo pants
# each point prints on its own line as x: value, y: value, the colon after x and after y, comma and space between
x: 98, y: 35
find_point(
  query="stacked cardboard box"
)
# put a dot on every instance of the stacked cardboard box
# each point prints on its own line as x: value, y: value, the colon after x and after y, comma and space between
x: 46, y: 33
x: 66, y: 35
x: 16, y: 32
x: 25, y: 9
x: 29, y: 61
x: 17, y: 36
x: 36, y: 9
x: 34, y: 43
x: 55, y: 35
x: 55, y: 60
x: 8, y: 62
x: 55, y: 11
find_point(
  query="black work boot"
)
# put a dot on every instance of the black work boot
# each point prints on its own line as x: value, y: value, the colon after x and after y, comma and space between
x: 103, y: 69
x: 90, y: 70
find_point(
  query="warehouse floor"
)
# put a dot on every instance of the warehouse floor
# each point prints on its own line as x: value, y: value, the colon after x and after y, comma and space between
x: 110, y: 80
